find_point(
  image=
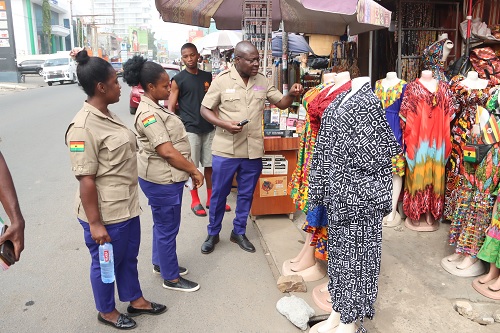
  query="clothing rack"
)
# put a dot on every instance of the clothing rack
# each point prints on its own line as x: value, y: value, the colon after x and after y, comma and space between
x: 344, y: 57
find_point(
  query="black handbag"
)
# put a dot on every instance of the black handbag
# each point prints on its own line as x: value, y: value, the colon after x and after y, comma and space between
x: 475, y: 153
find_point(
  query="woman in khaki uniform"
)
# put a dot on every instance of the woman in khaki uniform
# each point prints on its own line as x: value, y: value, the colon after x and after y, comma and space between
x: 164, y: 166
x: 103, y: 159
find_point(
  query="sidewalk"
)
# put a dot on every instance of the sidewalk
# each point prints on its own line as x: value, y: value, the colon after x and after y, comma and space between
x: 415, y: 293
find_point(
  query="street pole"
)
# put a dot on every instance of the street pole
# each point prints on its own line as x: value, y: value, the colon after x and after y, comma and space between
x: 72, y: 37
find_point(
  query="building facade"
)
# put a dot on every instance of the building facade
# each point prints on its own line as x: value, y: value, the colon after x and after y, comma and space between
x: 28, y: 21
x: 122, y: 16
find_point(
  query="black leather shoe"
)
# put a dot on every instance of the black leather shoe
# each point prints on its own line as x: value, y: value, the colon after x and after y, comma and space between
x: 156, y: 309
x: 209, y: 244
x: 242, y: 241
x: 124, y: 322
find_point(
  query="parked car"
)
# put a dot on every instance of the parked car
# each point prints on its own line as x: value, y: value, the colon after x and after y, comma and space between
x: 137, y: 91
x: 34, y: 66
x: 118, y: 66
x: 59, y: 68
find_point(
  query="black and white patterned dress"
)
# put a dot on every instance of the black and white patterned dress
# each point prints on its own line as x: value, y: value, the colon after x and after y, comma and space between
x: 351, y: 177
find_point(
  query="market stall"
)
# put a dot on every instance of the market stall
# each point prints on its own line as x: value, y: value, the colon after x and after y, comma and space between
x: 257, y: 19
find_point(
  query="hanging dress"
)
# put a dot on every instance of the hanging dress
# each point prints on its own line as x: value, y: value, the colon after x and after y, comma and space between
x: 391, y: 99
x: 425, y: 123
x: 475, y: 198
x: 316, y: 222
x: 356, y: 192
x: 467, y: 101
x: 432, y: 60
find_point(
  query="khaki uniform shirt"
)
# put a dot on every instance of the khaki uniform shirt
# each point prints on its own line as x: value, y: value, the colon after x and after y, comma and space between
x: 156, y: 125
x: 105, y: 147
x: 237, y: 101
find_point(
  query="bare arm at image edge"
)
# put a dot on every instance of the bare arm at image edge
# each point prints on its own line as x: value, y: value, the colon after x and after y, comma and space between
x: 173, y: 98
x: 8, y: 198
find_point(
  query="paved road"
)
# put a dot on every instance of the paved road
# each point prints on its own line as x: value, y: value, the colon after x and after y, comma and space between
x: 49, y: 291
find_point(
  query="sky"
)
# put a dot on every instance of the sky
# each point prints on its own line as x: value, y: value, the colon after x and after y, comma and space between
x: 176, y: 34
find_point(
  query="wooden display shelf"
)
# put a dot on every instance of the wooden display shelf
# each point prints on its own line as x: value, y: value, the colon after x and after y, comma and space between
x: 280, y: 204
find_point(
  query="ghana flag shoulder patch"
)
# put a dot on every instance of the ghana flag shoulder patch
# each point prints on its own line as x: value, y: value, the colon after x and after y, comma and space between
x: 77, y: 146
x: 149, y: 120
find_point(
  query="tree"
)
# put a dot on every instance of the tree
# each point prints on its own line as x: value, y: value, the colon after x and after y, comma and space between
x: 151, y: 43
x: 46, y: 25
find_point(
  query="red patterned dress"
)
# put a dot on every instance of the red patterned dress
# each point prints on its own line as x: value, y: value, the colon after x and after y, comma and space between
x: 425, y: 122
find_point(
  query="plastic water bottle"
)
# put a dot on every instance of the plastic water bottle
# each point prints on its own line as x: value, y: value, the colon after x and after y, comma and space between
x: 107, y: 263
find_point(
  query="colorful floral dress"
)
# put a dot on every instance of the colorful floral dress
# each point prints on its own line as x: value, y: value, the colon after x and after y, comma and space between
x: 490, y: 251
x: 316, y: 102
x: 432, y: 60
x: 391, y: 101
x: 475, y: 199
x: 467, y: 102
x: 425, y: 123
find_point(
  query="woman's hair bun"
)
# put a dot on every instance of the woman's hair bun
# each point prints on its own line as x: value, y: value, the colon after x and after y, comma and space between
x: 132, y: 70
x: 82, y: 57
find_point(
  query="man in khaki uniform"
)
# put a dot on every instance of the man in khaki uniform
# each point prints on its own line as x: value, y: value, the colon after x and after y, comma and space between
x: 239, y: 94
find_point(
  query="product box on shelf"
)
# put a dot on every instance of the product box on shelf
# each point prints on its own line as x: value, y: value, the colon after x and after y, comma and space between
x: 280, y: 165
x: 268, y: 164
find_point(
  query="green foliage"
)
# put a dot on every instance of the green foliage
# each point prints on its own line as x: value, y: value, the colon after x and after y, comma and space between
x: 151, y: 43
x: 46, y: 25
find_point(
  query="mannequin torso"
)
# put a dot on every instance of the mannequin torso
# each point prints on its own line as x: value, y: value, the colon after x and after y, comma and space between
x: 428, y: 81
x: 357, y: 83
x: 329, y: 77
x: 390, y: 80
x: 472, y: 81
x: 339, y: 80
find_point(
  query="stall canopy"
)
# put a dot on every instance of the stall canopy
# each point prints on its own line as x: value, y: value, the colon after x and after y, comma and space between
x: 296, y: 44
x: 307, y: 16
x: 223, y: 39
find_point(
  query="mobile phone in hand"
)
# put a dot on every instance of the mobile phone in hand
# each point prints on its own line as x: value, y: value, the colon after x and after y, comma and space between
x: 7, y: 250
x: 243, y: 122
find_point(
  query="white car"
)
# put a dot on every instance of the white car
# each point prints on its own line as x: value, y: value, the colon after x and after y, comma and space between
x: 59, y: 69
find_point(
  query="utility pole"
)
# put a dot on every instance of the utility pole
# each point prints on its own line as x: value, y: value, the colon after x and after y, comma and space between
x: 72, y: 37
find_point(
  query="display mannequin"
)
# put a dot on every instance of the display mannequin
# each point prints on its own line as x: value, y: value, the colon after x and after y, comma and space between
x: 470, y: 187
x: 472, y: 81
x: 428, y: 106
x: 339, y: 80
x: 390, y: 91
x: 303, y: 64
x: 469, y: 93
x: 356, y: 202
x: 329, y: 77
x: 304, y: 264
x: 428, y: 81
x: 435, y: 55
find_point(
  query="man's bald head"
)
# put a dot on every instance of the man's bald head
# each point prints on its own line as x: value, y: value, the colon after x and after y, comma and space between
x: 244, y: 48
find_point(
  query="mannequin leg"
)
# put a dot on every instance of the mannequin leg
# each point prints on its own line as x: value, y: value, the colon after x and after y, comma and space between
x: 329, y: 324
x: 467, y: 262
x: 303, y: 250
x: 334, y: 321
x: 494, y: 273
x: 397, y: 185
x: 495, y: 286
x: 454, y: 257
x: 307, y: 260
x: 429, y: 218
